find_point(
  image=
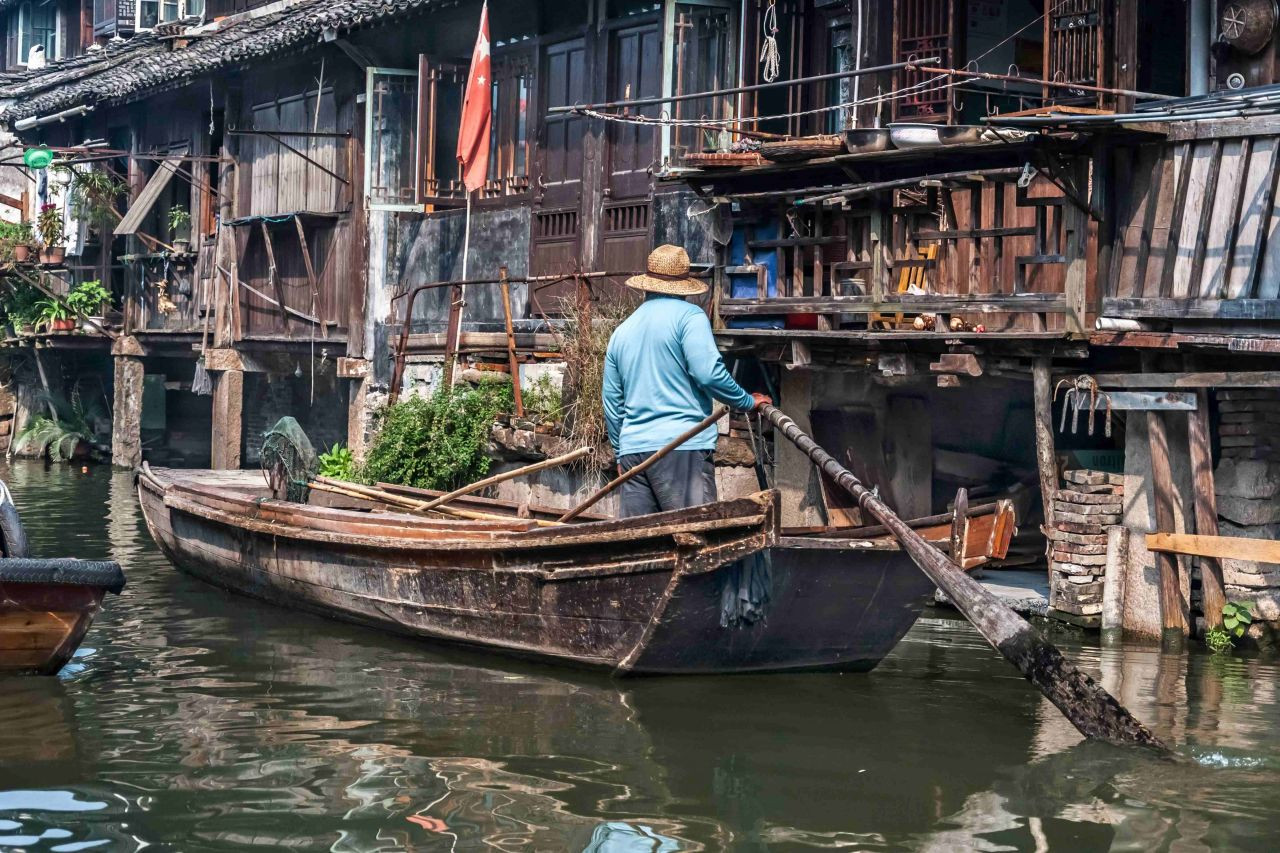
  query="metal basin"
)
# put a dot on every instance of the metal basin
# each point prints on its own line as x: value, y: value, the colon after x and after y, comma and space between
x: 865, y: 140
x: 907, y: 135
x: 960, y: 134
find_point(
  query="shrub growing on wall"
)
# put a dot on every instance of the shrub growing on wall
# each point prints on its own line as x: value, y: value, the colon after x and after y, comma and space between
x: 436, y: 442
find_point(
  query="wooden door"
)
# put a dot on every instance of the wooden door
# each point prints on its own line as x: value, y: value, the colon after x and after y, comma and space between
x: 631, y: 150
x: 559, y: 170
x: 635, y: 71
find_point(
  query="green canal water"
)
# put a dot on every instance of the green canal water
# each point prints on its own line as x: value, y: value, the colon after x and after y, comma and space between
x: 192, y: 719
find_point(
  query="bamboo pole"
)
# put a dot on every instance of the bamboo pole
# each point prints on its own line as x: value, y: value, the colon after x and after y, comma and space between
x: 644, y: 466
x: 352, y: 490
x: 508, y: 475
x: 1088, y: 707
x: 370, y: 493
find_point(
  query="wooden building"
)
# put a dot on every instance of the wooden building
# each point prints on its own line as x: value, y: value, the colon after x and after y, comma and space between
x: 1080, y: 188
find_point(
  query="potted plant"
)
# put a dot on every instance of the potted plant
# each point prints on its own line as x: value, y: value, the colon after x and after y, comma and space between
x: 49, y: 226
x: 180, y: 229
x: 94, y: 193
x: 90, y: 299
x: 21, y: 303
x: 15, y: 241
x: 55, y: 315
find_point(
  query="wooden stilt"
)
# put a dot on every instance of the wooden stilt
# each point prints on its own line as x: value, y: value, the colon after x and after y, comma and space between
x: 1046, y: 454
x: 1206, y: 508
x: 1173, y: 607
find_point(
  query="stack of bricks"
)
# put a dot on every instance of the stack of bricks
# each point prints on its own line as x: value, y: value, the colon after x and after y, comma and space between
x: 1084, y: 510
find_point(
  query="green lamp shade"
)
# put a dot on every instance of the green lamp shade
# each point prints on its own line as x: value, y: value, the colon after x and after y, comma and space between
x: 37, y: 158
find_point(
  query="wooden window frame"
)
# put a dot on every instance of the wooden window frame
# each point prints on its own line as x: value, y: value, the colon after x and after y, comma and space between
x: 507, y: 63
x: 732, y: 75
x: 371, y: 74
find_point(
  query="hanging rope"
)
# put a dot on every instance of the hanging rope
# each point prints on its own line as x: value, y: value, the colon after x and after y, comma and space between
x: 770, y: 63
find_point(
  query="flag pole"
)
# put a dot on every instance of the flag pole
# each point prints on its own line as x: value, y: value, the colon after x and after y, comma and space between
x: 461, y: 294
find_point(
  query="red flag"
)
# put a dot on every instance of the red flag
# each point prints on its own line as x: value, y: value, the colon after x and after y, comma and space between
x: 477, y: 112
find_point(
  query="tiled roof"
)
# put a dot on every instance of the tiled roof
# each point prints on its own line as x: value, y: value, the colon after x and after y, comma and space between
x: 127, y: 69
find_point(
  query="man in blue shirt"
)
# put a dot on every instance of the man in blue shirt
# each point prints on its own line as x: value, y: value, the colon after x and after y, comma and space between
x: 661, y: 373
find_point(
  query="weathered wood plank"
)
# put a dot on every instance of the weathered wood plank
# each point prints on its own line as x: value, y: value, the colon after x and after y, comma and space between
x: 1203, y: 379
x: 1195, y: 214
x: 1173, y: 607
x: 1205, y: 499
x: 1217, y: 547
x: 1255, y: 213
x: 1193, y: 309
x: 1220, y: 219
x: 1191, y: 214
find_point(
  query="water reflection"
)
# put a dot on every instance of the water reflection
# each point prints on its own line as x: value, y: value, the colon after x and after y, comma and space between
x: 203, y: 720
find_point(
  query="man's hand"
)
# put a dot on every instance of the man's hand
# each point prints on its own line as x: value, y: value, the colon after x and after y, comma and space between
x: 761, y: 400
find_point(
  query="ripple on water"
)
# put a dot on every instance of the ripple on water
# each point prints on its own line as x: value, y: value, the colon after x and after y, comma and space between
x: 199, y: 720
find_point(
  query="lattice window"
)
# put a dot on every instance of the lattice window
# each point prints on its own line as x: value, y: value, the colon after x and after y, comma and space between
x: 555, y: 225
x: 924, y: 29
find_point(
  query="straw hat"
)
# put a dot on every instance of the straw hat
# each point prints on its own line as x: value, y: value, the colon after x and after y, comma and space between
x: 668, y: 272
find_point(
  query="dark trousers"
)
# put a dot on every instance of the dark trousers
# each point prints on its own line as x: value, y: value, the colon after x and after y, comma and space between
x: 681, y: 479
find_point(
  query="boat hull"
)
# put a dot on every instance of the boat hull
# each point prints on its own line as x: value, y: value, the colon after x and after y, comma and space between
x: 46, y: 607
x: 613, y: 598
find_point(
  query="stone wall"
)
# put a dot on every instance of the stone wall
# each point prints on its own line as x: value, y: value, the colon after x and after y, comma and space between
x: 1247, y: 483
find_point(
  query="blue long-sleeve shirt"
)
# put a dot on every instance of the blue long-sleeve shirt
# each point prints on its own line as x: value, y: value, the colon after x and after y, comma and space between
x: 661, y: 372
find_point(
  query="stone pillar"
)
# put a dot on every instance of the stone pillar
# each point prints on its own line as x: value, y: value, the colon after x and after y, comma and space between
x: 228, y: 419
x: 126, y: 424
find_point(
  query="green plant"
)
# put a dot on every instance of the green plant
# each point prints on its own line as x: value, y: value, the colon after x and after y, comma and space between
x: 15, y: 233
x: 89, y: 298
x: 436, y: 442
x: 52, y: 311
x: 543, y: 400
x: 338, y: 463
x: 21, y: 303
x: 1236, y: 618
x: 1218, y: 641
x: 57, y: 435
x: 93, y: 194
x: 179, y: 221
x: 49, y: 225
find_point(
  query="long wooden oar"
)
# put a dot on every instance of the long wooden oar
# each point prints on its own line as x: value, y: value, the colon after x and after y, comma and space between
x: 1089, y: 707
x: 644, y: 466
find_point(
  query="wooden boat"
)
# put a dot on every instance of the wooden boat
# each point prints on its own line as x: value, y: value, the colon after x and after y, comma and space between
x: 46, y: 606
x: 640, y: 595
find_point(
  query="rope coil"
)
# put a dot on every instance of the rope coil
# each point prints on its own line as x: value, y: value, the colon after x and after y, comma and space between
x: 770, y: 62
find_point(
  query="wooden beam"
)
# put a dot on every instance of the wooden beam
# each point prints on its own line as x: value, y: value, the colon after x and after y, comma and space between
x: 1216, y: 547
x: 1046, y: 455
x: 311, y: 275
x: 1206, y: 508
x: 1147, y: 401
x: 1173, y: 607
x: 1206, y: 379
x: 274, y: 275
x: 1192, y: 309
x: 975, y: 304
